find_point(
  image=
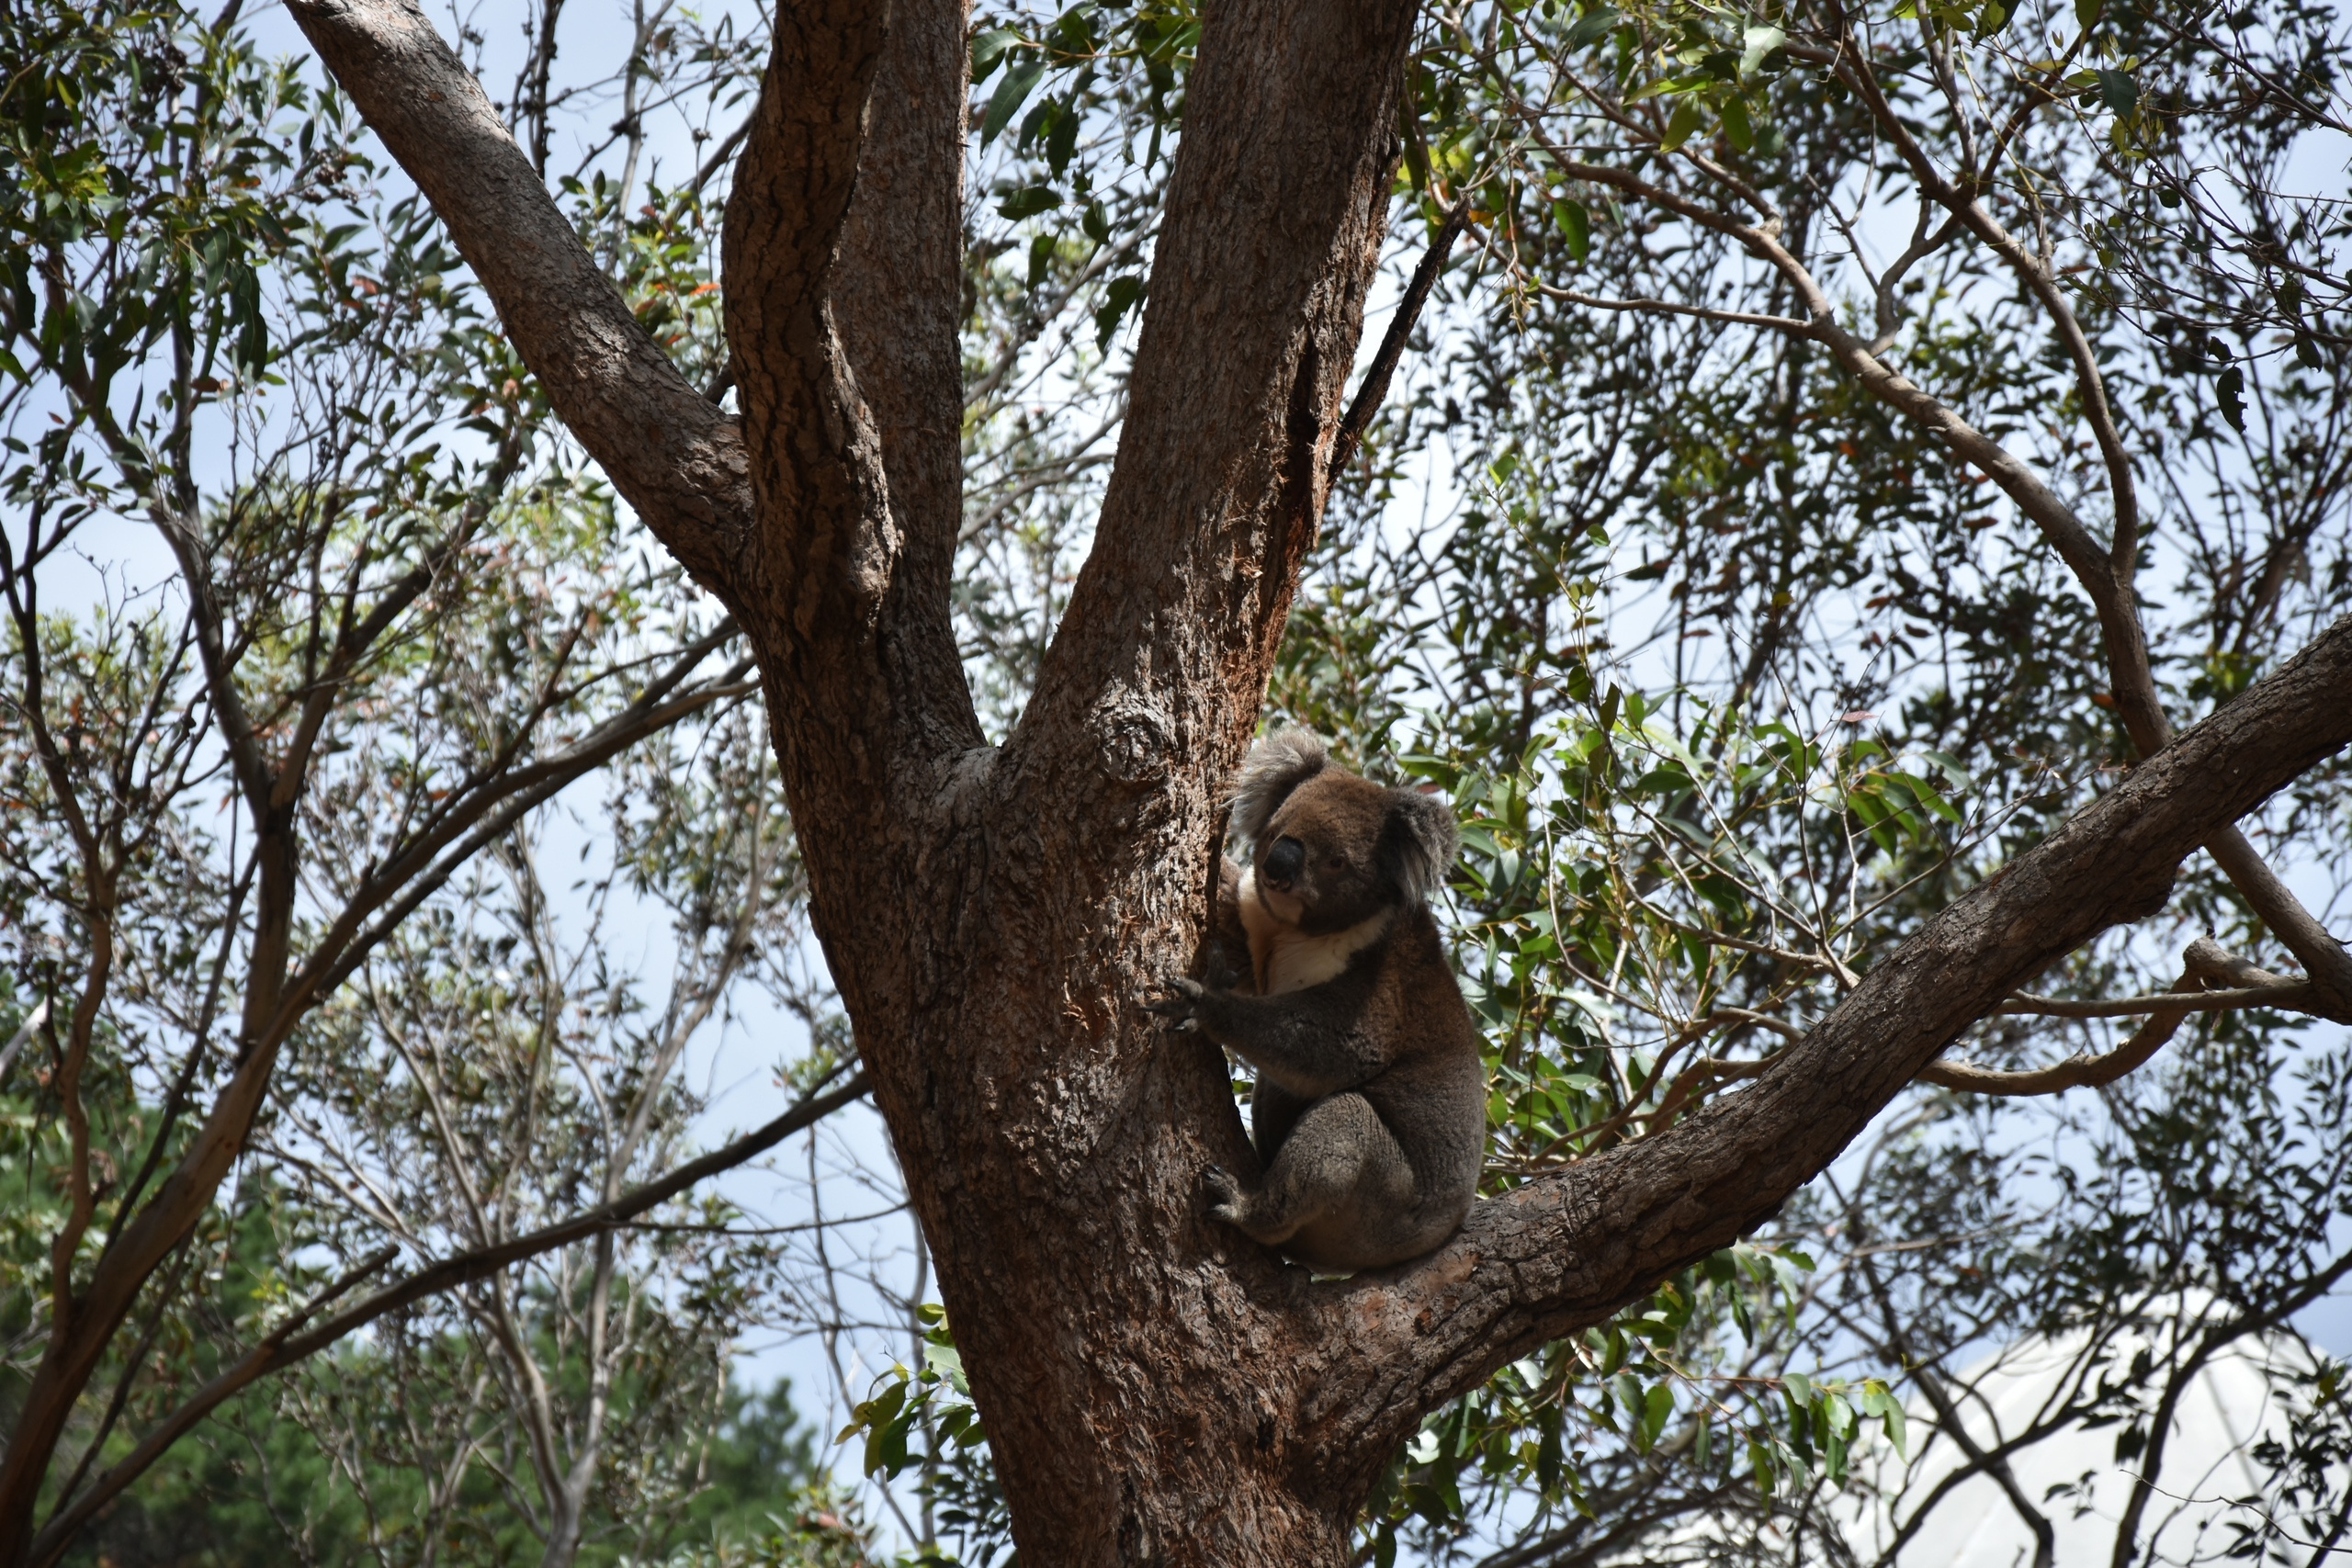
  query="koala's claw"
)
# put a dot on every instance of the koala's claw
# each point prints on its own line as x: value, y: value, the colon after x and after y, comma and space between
x: 1181, y: 992
x: 1225, y: 1195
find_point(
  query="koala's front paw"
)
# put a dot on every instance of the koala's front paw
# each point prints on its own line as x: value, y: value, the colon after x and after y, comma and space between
x: 1225, y: 1195
x: 1178, y: 1001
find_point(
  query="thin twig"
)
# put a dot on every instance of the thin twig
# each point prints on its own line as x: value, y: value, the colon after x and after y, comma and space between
x: 283, y: 1348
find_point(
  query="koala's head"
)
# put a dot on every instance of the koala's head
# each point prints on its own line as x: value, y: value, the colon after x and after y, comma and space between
x: 1329, y: 849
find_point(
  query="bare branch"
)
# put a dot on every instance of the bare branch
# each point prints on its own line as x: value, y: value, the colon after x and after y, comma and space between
x: 2296, y: 996
x: 1789, y: 324
x: 284, y: 1346
x: 2205, y: 961
x: 1374, y: 386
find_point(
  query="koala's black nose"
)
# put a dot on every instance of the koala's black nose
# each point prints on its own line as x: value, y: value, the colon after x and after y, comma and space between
x: 1284, y: 861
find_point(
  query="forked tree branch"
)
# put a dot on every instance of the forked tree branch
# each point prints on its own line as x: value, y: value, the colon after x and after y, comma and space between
x: 2110, y: 582
x: 899, y: 292
x: 2205, y: 965
x: 2074, y: 1072
x: 2205, y: 959
x: 2314, y: 946
x: 815, y: 444
x: 133, y: 1254
x: 2292, y: 996
x: 1564, y: 1251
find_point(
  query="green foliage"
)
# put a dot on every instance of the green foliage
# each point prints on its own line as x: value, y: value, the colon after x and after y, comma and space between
x: 1099, y: 75
x: 924, y: 1419
x: 1659, y: 1379
x: 260, y: 1478
x: 182, y: 195
x: 1627, y: 896
x: 933, y: 1401
x: 394, y: 588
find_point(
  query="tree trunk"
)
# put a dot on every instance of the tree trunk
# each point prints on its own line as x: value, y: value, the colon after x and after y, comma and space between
x: 991, y: 916
x: 1157, y: 1388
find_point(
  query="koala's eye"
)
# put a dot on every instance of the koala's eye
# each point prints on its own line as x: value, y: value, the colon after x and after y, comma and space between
x: 1338, y: 862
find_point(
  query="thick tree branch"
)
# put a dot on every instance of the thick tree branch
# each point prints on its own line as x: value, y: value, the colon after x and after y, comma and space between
x: 1275, y: 211
x: 898, y: 291
x: 675, y: 457
x: 1562, y: 1252
x: 842, y: 256
x: 847, y: 604
x: 824, y: 497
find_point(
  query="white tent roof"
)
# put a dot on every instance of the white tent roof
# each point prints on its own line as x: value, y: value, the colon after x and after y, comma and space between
x: 2205, y: 1468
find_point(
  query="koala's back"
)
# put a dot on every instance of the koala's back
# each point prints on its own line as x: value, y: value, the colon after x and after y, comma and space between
x: 1434, y: 1094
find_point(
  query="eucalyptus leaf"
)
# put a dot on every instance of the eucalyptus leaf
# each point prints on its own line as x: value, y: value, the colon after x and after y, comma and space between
x: 1020, y: 79
x: 1593, y: 26
x: 1757, y: 45
x: 988, y: 48
x: 1576, y: 227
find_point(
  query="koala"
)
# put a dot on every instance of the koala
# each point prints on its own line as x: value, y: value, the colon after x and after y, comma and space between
x: 1370, y: 1112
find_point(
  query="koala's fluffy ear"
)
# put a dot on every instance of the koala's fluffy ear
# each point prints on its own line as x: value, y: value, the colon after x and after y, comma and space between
x: 1419, y: 842
x: 1275, y: 766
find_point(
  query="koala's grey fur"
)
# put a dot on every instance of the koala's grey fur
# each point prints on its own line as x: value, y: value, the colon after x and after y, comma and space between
x: 1275, y: 766
x: 1370, y: 1112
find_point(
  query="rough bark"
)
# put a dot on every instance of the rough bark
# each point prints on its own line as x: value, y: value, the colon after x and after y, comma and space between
x: 1157, y: 1388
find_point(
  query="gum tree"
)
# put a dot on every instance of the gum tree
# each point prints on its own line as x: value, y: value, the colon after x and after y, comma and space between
x: 1154, y: 1388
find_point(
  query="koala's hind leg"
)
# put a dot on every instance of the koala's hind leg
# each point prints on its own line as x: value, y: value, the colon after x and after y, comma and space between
x: 1338, y: 1165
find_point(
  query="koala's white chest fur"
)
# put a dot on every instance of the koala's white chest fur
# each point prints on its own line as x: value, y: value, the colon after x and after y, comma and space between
x: 1288, y: 959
